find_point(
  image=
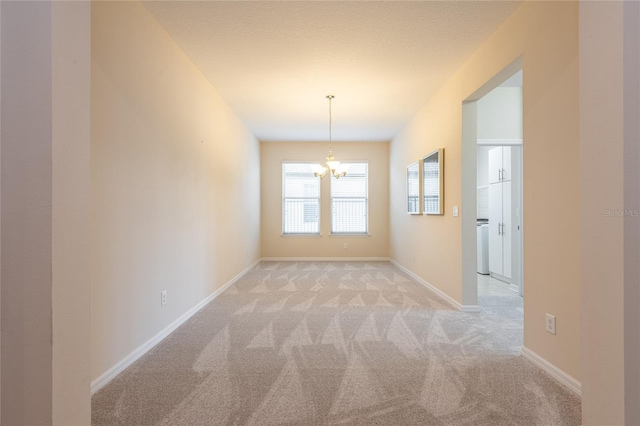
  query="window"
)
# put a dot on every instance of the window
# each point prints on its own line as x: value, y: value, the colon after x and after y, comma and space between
x: 300, y: 199
x: 349, y: 200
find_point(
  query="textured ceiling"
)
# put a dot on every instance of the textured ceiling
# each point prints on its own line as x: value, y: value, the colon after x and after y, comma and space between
x: 274, y: 62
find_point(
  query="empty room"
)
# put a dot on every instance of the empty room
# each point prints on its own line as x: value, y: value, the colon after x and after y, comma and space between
x: 319, y: 212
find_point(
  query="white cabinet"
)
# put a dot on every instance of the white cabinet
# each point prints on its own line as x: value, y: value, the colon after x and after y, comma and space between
x: 500, y: 207
x: 500, y: 229
x: 500, y: 164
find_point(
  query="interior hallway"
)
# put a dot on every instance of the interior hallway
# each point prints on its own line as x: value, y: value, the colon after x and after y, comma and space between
x: 126, y: 173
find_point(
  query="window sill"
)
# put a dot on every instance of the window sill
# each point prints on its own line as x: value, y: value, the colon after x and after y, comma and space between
x: 350, y: 235
x: 301, y: 235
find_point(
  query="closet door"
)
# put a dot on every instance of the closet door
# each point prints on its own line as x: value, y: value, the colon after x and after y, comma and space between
x: 495, y: 228
x: 507, y: 238
x: 495, y: 165
x: 506, y: 163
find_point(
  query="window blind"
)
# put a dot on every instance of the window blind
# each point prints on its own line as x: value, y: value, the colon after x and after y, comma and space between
x: 300, y: 199
x: 350, y: 200
x: 413, y: 188
x: 430, y: 185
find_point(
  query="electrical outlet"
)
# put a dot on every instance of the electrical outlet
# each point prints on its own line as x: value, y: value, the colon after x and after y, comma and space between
x: 346, y: 245
x: 551, y: 324
x: 163, y: 298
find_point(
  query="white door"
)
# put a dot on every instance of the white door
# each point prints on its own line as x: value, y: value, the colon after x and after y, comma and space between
x: 495, y: 165
x: 495, y: 231
x: 506, y: 163
x: 507, y: 229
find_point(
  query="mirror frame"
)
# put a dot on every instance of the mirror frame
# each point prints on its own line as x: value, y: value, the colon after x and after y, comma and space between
x: 437, y: 177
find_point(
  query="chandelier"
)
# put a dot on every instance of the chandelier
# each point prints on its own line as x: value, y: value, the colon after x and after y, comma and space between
x: 334, y: 166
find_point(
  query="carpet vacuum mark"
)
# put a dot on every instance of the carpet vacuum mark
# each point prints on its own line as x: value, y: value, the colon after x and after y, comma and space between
x: 340, y: 343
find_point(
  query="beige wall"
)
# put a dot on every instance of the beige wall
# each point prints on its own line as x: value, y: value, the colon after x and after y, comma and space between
x: 71, y: 177
x: 275, y: 245
x: 551, y: 200
x: 609, y: 159
x: 0, y: 211
x: 175, y: 184
x: 26, y: 213
x: 45, y: 215
x: 631, y: 99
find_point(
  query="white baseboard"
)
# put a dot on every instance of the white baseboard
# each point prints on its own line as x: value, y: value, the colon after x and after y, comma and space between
x: 454, y: 303
x: 553, y: 371
x: 470, y: 308
x: 325, y: 259
x: 111, y: 373
x: 500, y: 278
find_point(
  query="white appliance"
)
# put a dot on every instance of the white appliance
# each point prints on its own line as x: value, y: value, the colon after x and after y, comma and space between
x: 483, y: 249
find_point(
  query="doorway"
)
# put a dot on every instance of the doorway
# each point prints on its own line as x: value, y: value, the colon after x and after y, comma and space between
x: 492, y: 232
x: 499, y: 202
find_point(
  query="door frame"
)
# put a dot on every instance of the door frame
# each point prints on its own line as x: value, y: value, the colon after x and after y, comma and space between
x: 469, y: 189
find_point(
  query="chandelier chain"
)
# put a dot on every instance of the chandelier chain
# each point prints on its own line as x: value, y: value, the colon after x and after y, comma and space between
x: 332, y: 165
x: 330, y: 97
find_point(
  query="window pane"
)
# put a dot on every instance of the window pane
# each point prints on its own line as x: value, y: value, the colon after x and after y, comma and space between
x: 431, y: 184
x: 300, y: 199
x: 349, y: 201
x: 413, y: 188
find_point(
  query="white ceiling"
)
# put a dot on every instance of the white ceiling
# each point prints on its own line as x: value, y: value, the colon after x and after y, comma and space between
x: 274, y: 62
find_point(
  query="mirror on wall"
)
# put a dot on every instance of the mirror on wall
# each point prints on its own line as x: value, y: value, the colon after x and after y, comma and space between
x: 433, y: 182
x: 413, y: 188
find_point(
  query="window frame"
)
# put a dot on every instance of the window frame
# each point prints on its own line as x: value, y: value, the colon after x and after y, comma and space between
x: 283, y: 198
x: 366, y: 198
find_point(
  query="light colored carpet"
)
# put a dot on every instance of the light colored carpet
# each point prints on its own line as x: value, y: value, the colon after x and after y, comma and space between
x: 352, y: 343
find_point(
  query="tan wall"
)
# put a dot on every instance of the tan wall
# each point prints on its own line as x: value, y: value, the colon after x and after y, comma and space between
x: 0, y: 211
x: 602, y: 162
x: 545, y: 34
x: 71, y: 178
x: 26, y: 213
x: 175, y: 184
x: 45, y: 212
x: 631, y: 99
x: 276, y: 245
